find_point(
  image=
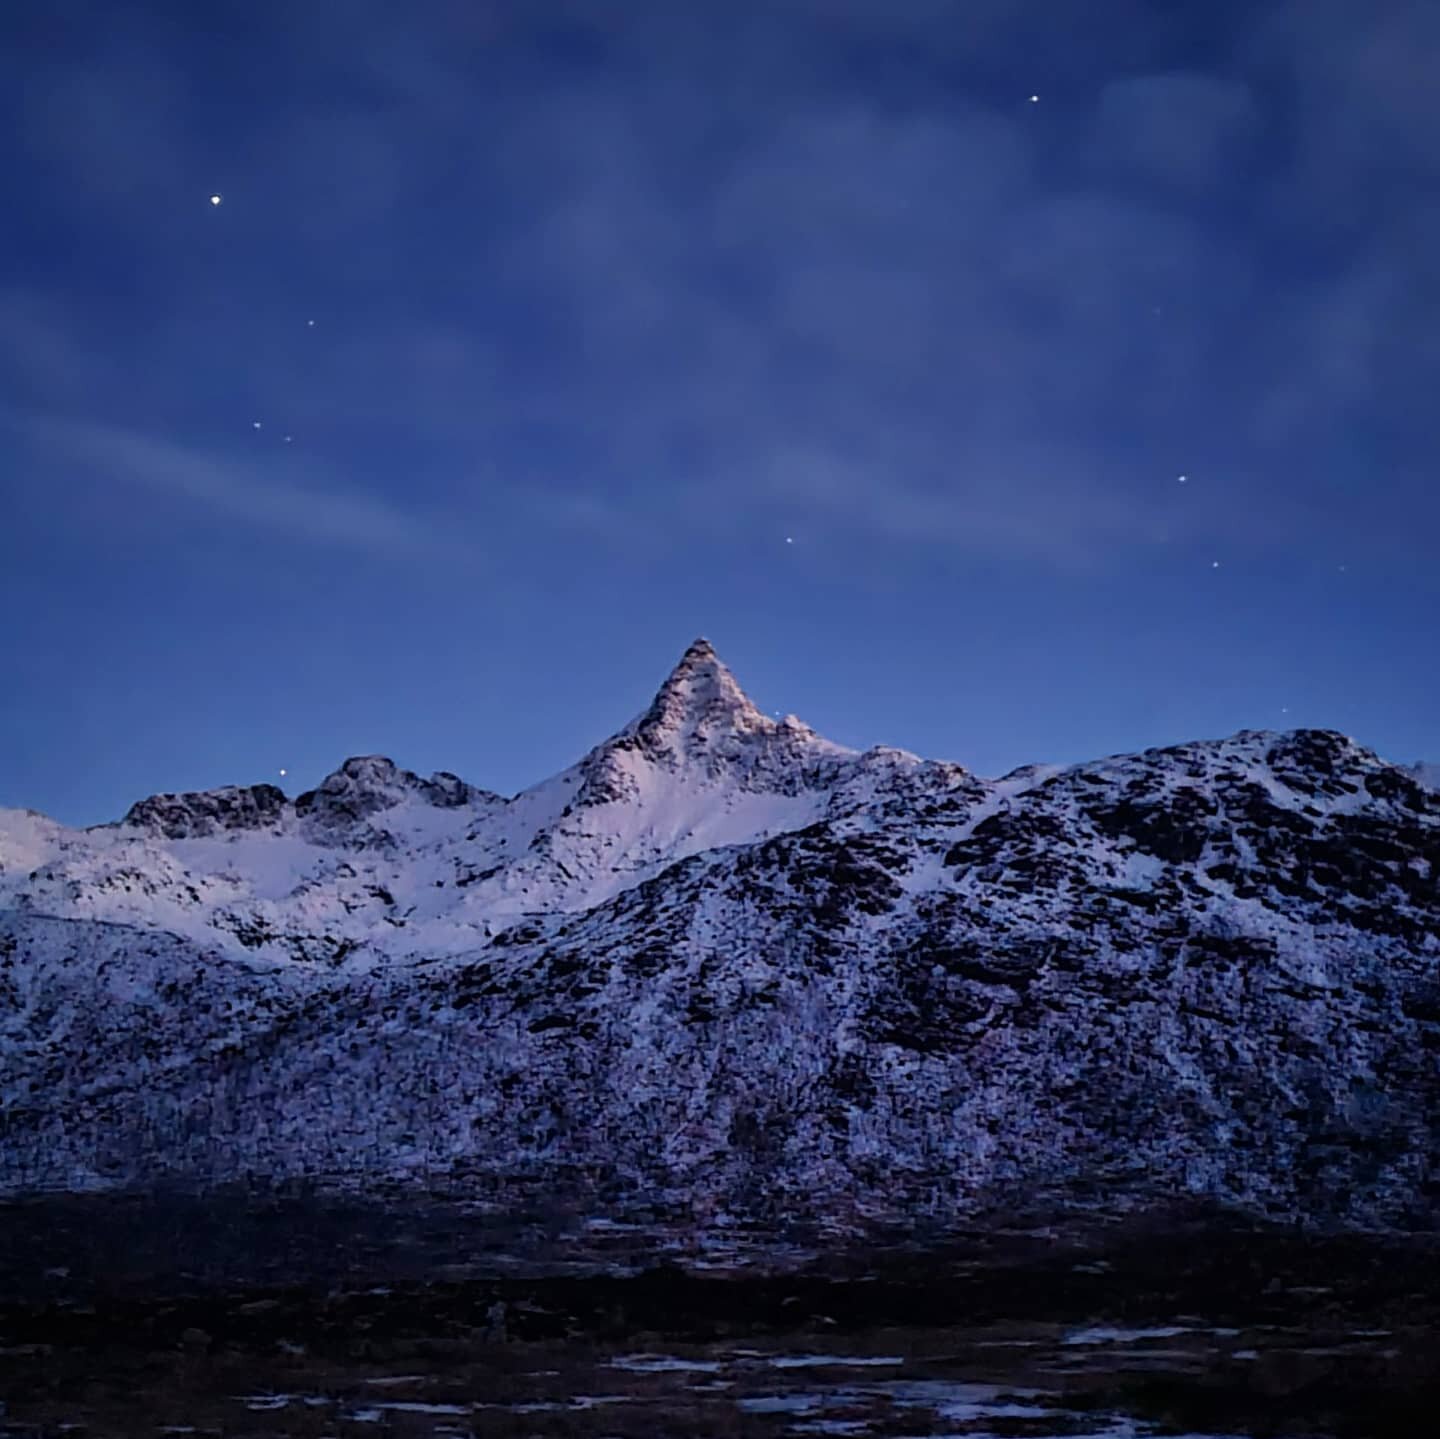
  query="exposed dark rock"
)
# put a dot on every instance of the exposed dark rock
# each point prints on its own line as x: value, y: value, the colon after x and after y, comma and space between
x: 206, y: 812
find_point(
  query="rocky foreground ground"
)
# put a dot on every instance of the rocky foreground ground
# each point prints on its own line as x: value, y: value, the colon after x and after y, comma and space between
x: 294, y: 1316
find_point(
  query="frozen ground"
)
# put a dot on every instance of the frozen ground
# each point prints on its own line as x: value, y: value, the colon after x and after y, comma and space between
x: 130, y: 1318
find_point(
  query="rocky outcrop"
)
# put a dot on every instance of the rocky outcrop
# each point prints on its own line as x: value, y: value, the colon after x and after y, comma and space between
x: 340, y: 811
x: 209, y: 812
x: 346, y: 802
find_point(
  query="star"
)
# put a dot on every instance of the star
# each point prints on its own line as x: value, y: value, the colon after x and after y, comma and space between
x: 789, y: 540
x: 282, y: 774
x: 1214, y: 564
x: 1034, y: 99
x: 311, y: 323
x: 1182, y: 478
x: 215, y: 199
x: 289, y: 438
x: 254, y: 424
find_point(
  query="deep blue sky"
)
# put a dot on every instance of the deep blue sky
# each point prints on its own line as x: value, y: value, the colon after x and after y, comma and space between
x: 796, y: 324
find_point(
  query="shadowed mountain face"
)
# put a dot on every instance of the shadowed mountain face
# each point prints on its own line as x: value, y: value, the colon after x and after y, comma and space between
x: 723, y: 962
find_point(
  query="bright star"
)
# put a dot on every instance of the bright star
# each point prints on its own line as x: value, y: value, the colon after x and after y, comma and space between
x: 254, y: 424
x: 311, y: 323
x: 215, y: 199
x: 282, y: 774
x: 1034, y: 99
x: 1183, y: 478
x: 1214, y: 564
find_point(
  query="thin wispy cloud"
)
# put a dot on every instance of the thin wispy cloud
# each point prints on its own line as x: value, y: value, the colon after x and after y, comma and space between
x: 624, y: 263
x: 248, y: 492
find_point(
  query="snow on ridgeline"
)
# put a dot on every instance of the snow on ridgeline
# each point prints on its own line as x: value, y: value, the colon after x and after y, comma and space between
x: 379, y: 861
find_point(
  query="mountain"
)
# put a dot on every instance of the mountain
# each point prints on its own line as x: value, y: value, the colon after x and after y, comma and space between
x: 724, y: 963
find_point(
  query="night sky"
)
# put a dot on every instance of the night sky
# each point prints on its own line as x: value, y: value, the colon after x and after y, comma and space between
x: 870, y: 339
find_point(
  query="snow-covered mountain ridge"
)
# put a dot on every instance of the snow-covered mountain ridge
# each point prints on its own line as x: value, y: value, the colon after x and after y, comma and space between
x: 723, y: 959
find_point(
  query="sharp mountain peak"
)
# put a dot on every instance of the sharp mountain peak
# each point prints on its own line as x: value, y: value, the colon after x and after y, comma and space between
x: 701, y: 704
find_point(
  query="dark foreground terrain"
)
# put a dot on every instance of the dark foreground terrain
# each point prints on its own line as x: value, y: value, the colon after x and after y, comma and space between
x: 228, y: 1315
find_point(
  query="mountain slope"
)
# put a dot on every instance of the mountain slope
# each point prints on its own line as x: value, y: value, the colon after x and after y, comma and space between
x: 1427, y: 774
x: 725, y: 961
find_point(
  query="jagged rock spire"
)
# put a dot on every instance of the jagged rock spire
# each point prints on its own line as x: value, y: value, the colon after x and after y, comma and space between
x: 701, y: 718
x: 700, y: 698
